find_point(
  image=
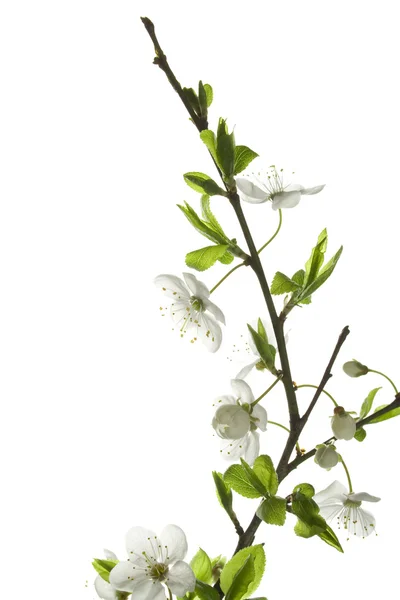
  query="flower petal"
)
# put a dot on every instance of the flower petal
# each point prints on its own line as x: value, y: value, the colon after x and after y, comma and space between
x: 247, y: 368
x: 198, y: 288
x: 313, y: 190
x: 335, y: 491
x: 260, y: 413
x: 253, y: 447
x: 172, y: 286
x: 104, y: 589
x: 249, y: 192
x: 181, y: 311
x: 209, y: 332
x: 234, y: 449
x: 139, y: 540
x: 214, y: 310
x: 123, y: 576
x: 149, y: 590
x: 181, y: 579
x: 109, y: 555
x: 363, y: 497
x: 224, y: 400
x: 286, y: 199
x: 173, y: 542
x: 365, y: 524
x: 242, y: 390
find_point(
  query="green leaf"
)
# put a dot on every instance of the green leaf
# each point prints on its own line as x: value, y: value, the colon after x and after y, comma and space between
x: 205, y: 591
x: 209, y: 217
x: 316, y: 259
x: 224, y: 493
x: 264, y: 469
x: 242, y: 580
x: 282, y: 284
x: 193, y: 99
x: 323, y: 275
x: 298, y: 277
x: 367, y: 404
x: 203, y: 184
x: 209, y: 93
x: 208, y: 137
x: 222, y: 127
x: 202, y: 100
x: 226, y: 153
x: 236, y: 477
x: 103, y: 567
x: 264, y: 349
x: 395, y: 412
x: 227, y: 258
x: 200, y: 225
x: 261, y: 330
x: 304, y: 488
x: 201, y: 566
x: 329, y: 537
x: 360, y: 434
x: 204, y: 258
x: 308, y: 511
x: 233, y: 566
x: 273, y: 510
x: 254, y: 480
x: 243, y: 157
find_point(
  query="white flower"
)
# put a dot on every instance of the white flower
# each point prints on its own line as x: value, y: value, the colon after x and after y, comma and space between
x: 154, y: 562
x: 326, y: 456
x: 353, y: 368
x: 192, y: 310
x: 236, y: 422
x: 271, y: 187
x: 104, y: 589
x: 255, y: 358
x: 343, y: 425
x: 335, y: 501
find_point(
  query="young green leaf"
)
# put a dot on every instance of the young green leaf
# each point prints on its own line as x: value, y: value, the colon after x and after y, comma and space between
x: 282, y: 284
x: 360, y: 434
x: 316, y: 259
x: 264, y: 469
x: 242, y: 580
x: 243, y: 157
x: 203, y: 184
x: 367, y: 404
x: 193, y: 99
x: 209, y: 94
x: 254, y: 480
x: 233, y: 566
x: 304, y: 488
x: 236, y: 478
x: 298, y: 277
x: 204, y: 258
x: 208, y: 138
x: 222, y: 127
x: 209, y: 217
x: 103, y: 567
x: 227, y: 258
x: 323, y: 275
x: 224, y: 493
x: 273, y: 510
x: 202, y: 100
x: 202, y: 227
x: 201, y: 566
x: 265, y: 350
x: 261, y: 330
x: 205, y: 591
x: 226, y: 153
x: 395, y: 412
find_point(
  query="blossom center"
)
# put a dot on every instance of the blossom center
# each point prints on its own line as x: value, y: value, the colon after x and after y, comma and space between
x: 197, y: 304
x: 352, y: 503
x: 159, y: 571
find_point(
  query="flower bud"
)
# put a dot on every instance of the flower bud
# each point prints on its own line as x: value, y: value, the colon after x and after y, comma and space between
x: 343, y: 425
x: 231, y: 422
x: 353, y: 368
x: 326, y: 456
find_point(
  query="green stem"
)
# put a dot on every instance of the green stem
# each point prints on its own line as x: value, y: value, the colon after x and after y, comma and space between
x: 266, y: 391
x: 275, y: 234
x: 242, y: 264
x: 286, y: 429
x: 309, y: 385
x: 245, y: 263
x: 386, y: 377
x: 347, y: 475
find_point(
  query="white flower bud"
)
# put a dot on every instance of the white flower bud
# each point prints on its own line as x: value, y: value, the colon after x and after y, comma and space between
x: 326, y: 456
x: 343, y: 425
x: 231, y: 422
x: 353, y: 368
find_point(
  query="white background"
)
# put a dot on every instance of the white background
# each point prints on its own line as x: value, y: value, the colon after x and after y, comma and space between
x: 106, y: 412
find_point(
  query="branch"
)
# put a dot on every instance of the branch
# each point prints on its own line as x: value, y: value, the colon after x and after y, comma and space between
x: 300, y: 459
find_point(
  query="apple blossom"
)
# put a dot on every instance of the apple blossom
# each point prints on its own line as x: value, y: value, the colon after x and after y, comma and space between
x: 192, y: 310
x: 236, y: 422
x: 154, y: 562
x: 271, y: 187
x: 104, y: 589
x: 343, y: 425
x: 336, y: 502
